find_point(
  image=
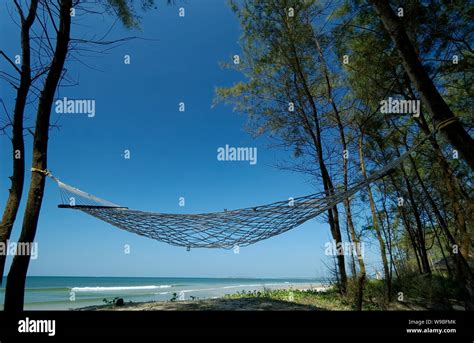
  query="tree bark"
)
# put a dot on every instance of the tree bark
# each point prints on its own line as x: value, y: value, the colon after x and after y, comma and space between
x: 15, y: 290
x: 333, y: 214
x: 18, y: 143
x: 440, y: 244
x: 375, y: 222
x: 432, y: 99
x: 386, y: 232
x: 412, y: 236
x: 419, y: 234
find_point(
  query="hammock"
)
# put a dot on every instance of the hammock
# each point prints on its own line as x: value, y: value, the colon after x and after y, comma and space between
x: 227, y: 229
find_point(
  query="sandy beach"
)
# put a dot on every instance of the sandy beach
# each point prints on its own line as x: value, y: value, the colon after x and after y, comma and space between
x: 227, y: 303
x: 248, y: 304
x: 301, y: 298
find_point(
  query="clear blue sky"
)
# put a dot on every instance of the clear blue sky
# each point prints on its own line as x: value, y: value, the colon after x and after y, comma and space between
x: 173, y: 154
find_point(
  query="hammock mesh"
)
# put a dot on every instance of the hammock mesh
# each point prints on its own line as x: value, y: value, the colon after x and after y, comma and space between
x: 225, y: 229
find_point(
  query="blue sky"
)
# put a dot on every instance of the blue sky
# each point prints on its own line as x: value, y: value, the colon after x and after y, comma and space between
x: 173, y: 154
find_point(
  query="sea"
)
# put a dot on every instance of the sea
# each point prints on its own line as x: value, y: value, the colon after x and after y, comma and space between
x: 63, y: 293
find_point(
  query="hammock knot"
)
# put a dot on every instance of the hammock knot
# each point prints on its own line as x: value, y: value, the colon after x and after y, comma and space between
x: 45, y: 172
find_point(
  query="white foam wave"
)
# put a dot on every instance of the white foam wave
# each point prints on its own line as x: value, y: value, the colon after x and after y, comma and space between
x: 118, y: 288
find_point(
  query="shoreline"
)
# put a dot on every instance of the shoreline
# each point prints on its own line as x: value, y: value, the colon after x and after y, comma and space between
x: 66, y: 294
x: 229, y: 302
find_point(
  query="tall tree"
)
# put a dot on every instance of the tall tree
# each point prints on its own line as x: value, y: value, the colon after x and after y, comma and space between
x: 18, y: 144
x: 14, y: 295
x: 336, y: 113
x: 280, y: 96
x: 375, y: 221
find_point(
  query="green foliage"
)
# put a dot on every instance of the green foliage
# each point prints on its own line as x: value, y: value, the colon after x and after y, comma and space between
x: 329, y: 299
x: 174, y: 297
x: 111, y: 301
x: 282, y: 63
x: 375, y: 295
x: 430, y: 291
x: 126, y: 11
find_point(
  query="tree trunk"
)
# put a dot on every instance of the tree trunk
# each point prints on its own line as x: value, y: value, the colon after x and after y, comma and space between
x: 420, y: 234
x: 454, y: 191
x: 393, y: 266
x: 352, y: 260
x: 373, y: 211
x: 463, y: 273
x: 413, y: 240
x: 434, y: 102
x: 15, y: 290
x: 333, y: 213
x: 413, y: 236
x: 388, y: 239
x: 438, y: 239
x: 18, y: 144
x: 346, y: 202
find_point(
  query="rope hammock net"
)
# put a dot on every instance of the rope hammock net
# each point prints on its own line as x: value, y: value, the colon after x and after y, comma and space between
x: 227, y: 229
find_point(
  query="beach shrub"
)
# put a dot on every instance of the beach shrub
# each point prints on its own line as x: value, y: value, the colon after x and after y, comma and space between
x: 375, y: 295
x: 117, y: 301
x: 329, y: 299
x: 430, y: 291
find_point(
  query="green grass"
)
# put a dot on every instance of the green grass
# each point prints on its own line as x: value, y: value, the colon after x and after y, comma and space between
x: 419, y: 292
x: 434, y: 291
x: 330, y: 299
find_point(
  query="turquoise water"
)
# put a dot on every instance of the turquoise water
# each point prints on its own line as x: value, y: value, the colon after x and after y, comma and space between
x: 61, y: 293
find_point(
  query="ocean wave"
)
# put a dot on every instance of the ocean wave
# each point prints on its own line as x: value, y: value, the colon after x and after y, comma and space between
x: 47, y: 289
x: 242, y: 286
x: 118, y: 288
